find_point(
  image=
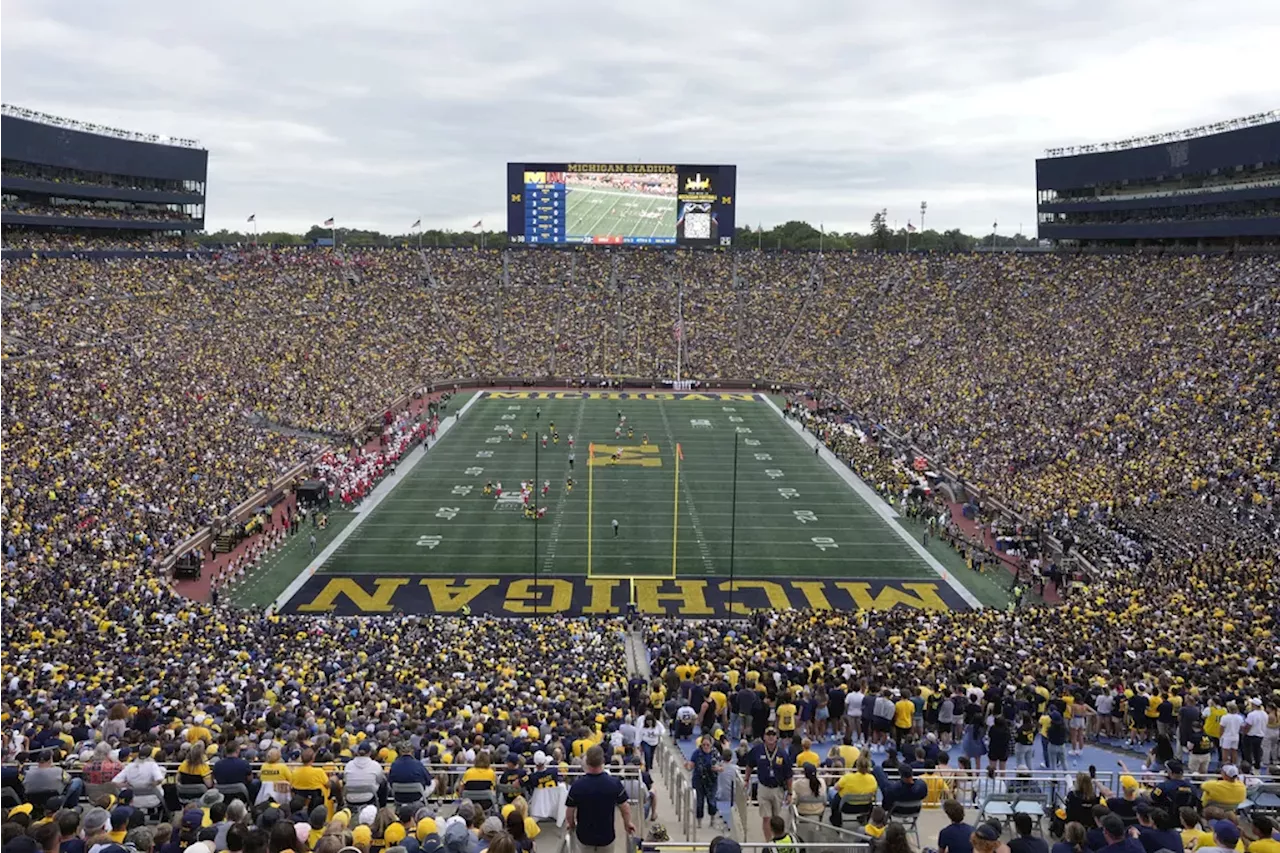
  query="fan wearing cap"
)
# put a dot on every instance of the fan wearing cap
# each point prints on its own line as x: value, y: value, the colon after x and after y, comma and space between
x: 543, y: 775
x: 363, y: 771
x: 907, y: 789
x: 1226, y: 835
x: 1117, y: 838
x: 1255, y: 729
x: 1226, y: 791
x: 1124, y: 805
x: 1172, y: 792
x: 773, y: 769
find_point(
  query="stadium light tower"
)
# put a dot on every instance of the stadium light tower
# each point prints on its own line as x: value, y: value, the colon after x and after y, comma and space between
x: 923, y: 207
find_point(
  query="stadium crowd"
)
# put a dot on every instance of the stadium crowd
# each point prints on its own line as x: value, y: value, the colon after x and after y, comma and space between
x: 1109, y: 400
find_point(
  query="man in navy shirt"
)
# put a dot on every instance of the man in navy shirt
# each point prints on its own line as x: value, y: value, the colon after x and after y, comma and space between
x: 907, y: 789
x: 773, y: 767
x: 231, y: 769
x: 407, y: 770
x: 592, y: 800
x: 955, y: 838
x: 1118, y: 838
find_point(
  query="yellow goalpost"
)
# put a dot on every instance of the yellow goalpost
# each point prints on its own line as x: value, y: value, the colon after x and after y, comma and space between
x: 675, y: 523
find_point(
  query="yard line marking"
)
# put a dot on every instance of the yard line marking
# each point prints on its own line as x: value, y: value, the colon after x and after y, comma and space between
x: 558, y: 521
x: 882, y: 509
x: 707, y: 562
x: 371, y: 503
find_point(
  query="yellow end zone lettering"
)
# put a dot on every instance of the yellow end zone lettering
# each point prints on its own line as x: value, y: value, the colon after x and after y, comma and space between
x: 621, y: 396
x: 607, y: 596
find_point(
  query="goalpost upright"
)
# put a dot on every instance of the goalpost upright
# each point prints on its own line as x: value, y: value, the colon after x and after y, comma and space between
x: 675, y: 523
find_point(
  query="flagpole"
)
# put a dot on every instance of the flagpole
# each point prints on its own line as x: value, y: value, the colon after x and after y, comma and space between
x: 733, y: 519
x: 255, y: 230
x: 759, y: 235
x: 680, y: 326
x: 908, y: 235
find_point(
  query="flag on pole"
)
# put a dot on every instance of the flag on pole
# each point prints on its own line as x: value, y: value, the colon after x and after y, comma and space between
x: 479, y: 222
x: 911, y: 227
x: 328, y: 223
x: 679, y: 329
x: 253, y: 217
x: 417, y: 224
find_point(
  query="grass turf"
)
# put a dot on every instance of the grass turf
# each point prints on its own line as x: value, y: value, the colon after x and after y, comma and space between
x: 614, y: 213
x: 796, y: 519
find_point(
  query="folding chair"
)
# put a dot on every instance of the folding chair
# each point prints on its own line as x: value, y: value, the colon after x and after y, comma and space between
x: 908, y: 814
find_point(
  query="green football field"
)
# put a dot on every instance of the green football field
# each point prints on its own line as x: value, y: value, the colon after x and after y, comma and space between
x: 792, y: 532
x: 594, y: 212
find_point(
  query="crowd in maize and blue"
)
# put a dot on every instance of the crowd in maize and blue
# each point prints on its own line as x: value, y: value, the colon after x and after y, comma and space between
x: 1125, y: 403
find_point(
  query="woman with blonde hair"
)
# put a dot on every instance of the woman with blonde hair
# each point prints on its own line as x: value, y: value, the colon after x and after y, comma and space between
x: 521, y: 807
x: 195, y: 769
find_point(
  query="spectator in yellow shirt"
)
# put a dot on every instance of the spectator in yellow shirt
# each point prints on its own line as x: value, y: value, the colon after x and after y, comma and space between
x: 807, y: 755
x: 1227, y: 791
x: 903, y: 710
x: 276, y: 780
x: 786, y: 719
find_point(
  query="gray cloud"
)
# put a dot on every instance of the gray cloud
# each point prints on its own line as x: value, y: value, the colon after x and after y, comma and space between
x: 384, y: 112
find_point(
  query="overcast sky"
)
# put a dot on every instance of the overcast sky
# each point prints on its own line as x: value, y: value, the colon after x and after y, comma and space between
x: 385, y: 111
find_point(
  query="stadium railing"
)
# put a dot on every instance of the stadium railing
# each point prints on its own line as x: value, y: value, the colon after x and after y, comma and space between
x: 972, y: 788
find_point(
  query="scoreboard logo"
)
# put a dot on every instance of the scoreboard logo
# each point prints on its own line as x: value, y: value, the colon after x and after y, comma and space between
x: 697, y: 183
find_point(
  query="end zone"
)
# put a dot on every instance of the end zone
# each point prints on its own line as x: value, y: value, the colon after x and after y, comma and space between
x: 696, y: 598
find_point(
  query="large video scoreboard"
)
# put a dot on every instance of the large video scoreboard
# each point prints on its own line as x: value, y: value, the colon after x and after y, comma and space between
x: 620, y: 204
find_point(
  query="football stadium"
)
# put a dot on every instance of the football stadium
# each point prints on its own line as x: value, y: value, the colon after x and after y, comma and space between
x: 645, y: 537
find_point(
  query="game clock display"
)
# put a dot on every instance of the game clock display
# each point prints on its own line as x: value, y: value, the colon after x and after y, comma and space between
x: 620, y: 204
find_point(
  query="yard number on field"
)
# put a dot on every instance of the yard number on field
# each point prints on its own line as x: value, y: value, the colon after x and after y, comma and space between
x: 462, y: 491
x: 428, y: 541
x: 475, y: 471
x: 804, y: 516
x: 789, y: 493
x: 824, y: 542
x: 447, y: 512
x: 773, y: 473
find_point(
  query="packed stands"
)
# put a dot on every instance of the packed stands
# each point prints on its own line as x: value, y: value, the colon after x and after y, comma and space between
x: 1126, y: 405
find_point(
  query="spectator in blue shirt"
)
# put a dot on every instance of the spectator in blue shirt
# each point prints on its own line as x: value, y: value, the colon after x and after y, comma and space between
x: 706, y: 768
x: 955, y: 838
x: 907, y: 789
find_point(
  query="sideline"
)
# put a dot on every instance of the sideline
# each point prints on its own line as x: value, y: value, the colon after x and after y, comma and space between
x: 366, y: 509
x: 878, y: 504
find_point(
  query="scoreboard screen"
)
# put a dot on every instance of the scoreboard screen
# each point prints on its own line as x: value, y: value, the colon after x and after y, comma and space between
x: 620, y: 204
